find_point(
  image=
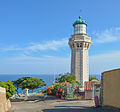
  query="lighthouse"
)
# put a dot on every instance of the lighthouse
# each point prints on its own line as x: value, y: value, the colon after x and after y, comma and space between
x: 80, y: 44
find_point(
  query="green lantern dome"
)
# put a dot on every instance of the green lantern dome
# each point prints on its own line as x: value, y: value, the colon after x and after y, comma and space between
x: 80, y: 21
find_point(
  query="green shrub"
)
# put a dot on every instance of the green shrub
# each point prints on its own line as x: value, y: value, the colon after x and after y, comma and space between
x: 67, y: 77
x: 10, y: 89
x: 93, y: 77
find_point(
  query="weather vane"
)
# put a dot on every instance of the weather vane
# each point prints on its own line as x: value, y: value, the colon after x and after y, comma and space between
x: 80, y: 13
x: 80, y: 10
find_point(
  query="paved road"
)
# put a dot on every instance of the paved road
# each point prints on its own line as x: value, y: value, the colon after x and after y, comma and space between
x: 51, y: 104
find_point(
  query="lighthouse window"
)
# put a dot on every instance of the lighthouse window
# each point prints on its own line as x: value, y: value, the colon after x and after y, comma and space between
x: 80, y: 28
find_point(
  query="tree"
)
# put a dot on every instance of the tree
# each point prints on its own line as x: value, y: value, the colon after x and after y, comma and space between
x: 66, y: 77
x: 17, y: 83
x: 93, y: 77
x: 30, y: 83
x: 10, y: 88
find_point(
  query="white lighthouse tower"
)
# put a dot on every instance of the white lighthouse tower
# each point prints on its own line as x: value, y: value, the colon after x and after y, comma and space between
x: 80, y: 44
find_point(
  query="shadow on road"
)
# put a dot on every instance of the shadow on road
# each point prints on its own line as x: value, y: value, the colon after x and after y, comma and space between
x: 79, y: 109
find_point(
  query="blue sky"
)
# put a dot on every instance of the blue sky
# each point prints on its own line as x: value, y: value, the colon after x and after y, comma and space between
x: 34, y: 35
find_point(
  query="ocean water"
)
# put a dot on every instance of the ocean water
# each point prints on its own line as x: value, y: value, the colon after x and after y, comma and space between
x: 49, y: 79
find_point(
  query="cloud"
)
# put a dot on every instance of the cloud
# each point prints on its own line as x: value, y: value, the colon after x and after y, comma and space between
x: 51, y: 64
x: 108, y: 35
x: 11, y: 48
x: 104, y: 62
x: 35, y: 65
x: 48, y: 45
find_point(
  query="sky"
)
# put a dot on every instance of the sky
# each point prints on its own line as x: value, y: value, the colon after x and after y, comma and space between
x: 34, y: 35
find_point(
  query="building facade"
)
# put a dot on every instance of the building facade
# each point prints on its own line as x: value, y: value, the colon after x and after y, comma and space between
x: 80, y: 44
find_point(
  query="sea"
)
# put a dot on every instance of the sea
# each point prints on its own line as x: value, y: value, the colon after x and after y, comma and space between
x: 48, y: 78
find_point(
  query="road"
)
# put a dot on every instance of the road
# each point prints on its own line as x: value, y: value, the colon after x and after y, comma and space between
x: 51, y: 104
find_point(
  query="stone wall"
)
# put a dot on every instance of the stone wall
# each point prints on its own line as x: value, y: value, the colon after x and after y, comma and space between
x: 5, y: 104
x: 110, y: 90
